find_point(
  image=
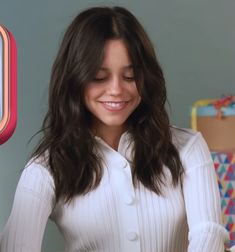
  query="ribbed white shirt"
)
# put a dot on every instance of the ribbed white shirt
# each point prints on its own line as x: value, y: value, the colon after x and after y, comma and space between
x: 116, y: 217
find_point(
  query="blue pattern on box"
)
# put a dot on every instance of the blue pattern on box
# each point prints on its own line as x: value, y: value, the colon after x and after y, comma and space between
x: 225, y: 169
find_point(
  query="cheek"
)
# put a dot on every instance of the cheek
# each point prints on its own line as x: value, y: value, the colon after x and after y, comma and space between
x: 87, y: 100
x: 137, y: 96
x: 138, y: 101
x: 92, y: 91
x: 134, y: 92
x: 89, y: 93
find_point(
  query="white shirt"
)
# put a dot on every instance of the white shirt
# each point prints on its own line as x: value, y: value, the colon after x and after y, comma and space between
x: 116, y: 217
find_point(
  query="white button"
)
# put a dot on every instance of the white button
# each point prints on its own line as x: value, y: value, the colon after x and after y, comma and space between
x: 124, y: 165
x: 129, y: 199
x: 132, y: 236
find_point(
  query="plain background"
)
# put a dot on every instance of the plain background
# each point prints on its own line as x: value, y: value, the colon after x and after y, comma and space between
x: 194, y: 42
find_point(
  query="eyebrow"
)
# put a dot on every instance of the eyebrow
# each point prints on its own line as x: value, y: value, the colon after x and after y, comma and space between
x: 125, y: 67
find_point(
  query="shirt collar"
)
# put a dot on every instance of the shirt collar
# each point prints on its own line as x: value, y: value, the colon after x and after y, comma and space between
x: 124, y: 146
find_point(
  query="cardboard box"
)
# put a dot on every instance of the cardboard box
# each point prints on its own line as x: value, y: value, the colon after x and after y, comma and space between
x: 215, y: 119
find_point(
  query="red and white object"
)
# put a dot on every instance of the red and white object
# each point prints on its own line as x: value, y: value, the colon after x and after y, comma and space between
x: 8, y: 84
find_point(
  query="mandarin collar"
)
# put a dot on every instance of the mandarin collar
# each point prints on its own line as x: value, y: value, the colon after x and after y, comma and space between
x: 123, y: 145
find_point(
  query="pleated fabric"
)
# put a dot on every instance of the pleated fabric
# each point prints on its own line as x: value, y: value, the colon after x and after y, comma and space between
x: 116, y: 217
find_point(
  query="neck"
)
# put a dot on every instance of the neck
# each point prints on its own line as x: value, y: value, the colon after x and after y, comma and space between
x: 110, y: 134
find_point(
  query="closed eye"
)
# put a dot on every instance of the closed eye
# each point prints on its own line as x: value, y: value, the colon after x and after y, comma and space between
x: 99, y: 79
x: 130, y: 79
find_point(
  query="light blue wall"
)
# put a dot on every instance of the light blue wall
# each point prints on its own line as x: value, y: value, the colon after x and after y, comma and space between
x: 194, y: 40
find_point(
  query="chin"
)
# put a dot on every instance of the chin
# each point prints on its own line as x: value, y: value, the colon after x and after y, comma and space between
x: 114, y: 123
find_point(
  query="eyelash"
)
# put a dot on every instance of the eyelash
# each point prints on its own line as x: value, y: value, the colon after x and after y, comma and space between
x: 129, y: 79
x: 99, y: 79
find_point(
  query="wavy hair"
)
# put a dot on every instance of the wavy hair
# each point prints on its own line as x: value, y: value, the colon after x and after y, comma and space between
x: 72, y: 150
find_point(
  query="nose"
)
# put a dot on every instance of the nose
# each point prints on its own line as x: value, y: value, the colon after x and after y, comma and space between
x: 115, y: 86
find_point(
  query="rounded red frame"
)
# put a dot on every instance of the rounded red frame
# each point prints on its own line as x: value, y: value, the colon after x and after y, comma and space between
x: 9, y: 85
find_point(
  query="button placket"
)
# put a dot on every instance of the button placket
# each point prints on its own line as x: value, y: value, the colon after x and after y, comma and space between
x: 132, y: 236
x: 125, y: 164
x: 129, y: 199
x: 129, y: 196
x: 128, y: 210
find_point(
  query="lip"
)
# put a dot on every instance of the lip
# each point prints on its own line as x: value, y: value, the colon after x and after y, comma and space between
x: 114, y: 105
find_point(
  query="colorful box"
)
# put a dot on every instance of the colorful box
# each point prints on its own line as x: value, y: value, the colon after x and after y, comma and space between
x: 225, y: 169
x: 215, y: 119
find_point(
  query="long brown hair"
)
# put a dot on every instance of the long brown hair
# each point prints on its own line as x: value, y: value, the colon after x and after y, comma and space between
x: 72, y: 155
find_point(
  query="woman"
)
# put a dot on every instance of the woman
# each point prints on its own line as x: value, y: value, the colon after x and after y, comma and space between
x: 110, y: 170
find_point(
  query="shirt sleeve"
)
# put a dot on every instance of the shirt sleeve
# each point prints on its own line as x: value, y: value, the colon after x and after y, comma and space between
x: 32, y: 206
x: 202, y: 199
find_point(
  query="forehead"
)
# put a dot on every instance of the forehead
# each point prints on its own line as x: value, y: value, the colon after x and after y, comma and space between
x: 115, y: 52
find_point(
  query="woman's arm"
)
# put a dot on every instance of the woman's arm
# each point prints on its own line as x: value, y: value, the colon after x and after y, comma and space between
x: 33, y: 203
x: 202, y: 199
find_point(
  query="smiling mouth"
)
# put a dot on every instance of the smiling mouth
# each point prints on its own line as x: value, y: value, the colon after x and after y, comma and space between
x: 114, y: 106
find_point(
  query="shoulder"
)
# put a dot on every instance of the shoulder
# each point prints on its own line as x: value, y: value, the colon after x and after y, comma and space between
x: 183, y: 138
x: 36, y: 176
x: 190, y: 145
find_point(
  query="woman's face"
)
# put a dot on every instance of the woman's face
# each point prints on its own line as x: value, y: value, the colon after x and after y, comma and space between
x: 112, y: 96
